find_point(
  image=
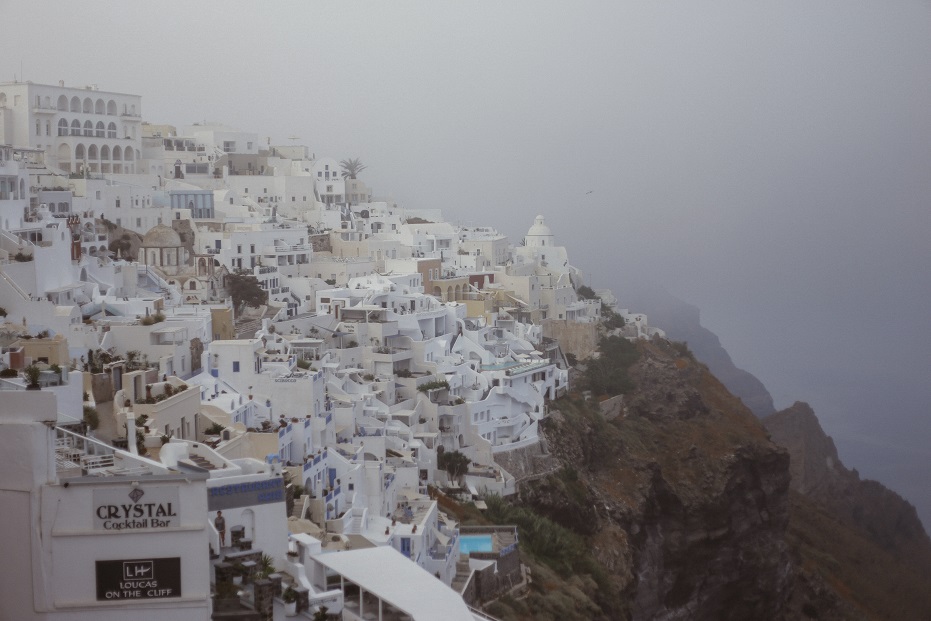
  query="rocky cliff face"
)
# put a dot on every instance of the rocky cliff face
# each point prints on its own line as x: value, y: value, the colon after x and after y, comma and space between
x: 860, y: 549
x: 682, y: 498
x: 680, y: 504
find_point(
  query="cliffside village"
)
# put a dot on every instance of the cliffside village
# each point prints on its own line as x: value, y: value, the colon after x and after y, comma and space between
x: 169, y: 453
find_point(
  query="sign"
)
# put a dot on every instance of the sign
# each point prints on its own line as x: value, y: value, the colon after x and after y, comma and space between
x: 135, y: 508
x: 151, y: 578
x: 245, y: 494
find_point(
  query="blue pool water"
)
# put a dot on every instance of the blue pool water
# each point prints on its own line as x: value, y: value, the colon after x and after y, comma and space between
x: 475, y: 543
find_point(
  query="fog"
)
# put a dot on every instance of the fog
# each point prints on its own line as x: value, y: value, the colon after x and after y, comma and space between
x: 767, y: 164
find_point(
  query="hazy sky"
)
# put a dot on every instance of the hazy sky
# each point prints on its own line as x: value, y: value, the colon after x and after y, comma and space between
x: 766, y: 162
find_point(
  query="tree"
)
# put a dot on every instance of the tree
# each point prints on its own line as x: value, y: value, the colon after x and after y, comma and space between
x: 607, y: 374
x: 454, y: 463
x: 245, y: 290
x: 352, y: 167
x: 586, y: 293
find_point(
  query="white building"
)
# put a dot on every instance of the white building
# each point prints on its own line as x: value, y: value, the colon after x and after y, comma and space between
x: 80, y: 129
x: 97, y: 534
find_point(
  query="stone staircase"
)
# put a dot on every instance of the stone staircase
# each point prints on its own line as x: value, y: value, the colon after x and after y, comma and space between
x: 462, y: 576
x: 202, y: 462
x: 296, y: 512
x: 247, y: 329
x: 355, y: 526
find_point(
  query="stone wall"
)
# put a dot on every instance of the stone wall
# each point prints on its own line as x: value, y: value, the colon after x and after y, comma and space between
x: 578, y: 339
x: 321, y: 243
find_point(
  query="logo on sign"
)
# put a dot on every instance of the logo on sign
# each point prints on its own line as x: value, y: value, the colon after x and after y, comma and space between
x: 137, y: 570
x: 151, y: 578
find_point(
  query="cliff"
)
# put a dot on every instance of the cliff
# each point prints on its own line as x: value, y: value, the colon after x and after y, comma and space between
x: 678, y: 506
x: 858, y: 546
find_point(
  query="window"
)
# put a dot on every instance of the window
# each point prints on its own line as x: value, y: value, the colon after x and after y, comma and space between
x: 239, y: 249
x: 117, y: 202
x: 252, y: 248
x: 235, y: 366
x: 139, y: 222
x: 319, y: 174
x: 98, y: 194
x: 249, y: 146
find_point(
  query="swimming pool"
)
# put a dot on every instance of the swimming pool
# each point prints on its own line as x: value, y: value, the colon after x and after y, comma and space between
x: 475, y: 543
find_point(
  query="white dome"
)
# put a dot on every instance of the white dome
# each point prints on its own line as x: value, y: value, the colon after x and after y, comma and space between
x: 161, y: 236
x: 539, y: 228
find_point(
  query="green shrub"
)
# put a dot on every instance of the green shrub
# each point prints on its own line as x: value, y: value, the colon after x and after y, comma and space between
x: 9, y: 373
x: 433, y: 386
x: 214, y: 430
x: 91, y: 417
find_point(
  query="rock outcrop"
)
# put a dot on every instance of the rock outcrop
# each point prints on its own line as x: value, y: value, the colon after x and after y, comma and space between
x: 861, y: 551
x: 682, y: 497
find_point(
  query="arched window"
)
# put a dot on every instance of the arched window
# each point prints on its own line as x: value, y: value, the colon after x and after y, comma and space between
x: 79, y: 152
x: 64, y: 157
x: 75, y: 127
x: 88, y: 106
x: 111, y: 108
x: 100, y: 107
x: 192, y: 285
x: 63, y: 103
x: 92, y: 152
x: 62, y: 127
x: 111, y: 130
x: 100, y: 131
x: 129, y: 154
x: 117, y: 153
x: 88, y: 128
x: 75, y: 104
x: 105, y: 152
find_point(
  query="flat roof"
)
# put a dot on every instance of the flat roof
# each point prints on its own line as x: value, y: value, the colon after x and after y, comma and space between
x: 390, y: 576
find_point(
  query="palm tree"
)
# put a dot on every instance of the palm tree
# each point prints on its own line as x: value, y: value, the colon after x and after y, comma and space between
x: 352, y: 167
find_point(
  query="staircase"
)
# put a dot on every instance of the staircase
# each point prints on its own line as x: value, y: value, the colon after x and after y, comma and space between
x: 355, y: 526
x: 203, y: 463
x: 247, y: 329
x: 298, y: 510
x: 463, y: 573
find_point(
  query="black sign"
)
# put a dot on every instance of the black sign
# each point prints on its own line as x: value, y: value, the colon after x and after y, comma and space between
x: 148, y: 578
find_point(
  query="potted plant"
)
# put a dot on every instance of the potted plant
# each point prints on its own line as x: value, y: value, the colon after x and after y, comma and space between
x: 32, y: 373
x: 266, y: 567
x: 289, y: 597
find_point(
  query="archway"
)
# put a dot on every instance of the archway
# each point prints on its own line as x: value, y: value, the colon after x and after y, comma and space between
x: 64, y: 157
